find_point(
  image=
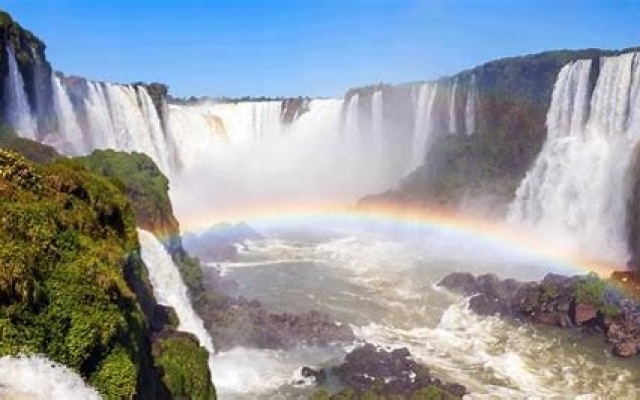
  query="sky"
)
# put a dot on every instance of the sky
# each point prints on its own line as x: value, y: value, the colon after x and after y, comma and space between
x: 308, y: 47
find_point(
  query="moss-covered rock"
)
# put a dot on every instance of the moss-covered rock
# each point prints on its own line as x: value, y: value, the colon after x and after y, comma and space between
x: 145, y: 186
x: 69, y: 254
x: 33, y: 151
x: 183, y: 365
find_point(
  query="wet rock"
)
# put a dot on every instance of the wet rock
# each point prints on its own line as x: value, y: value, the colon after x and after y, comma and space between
x: 584, y: 313
x: 626, y: 348
x: 319, y: 376
x: 389, y: 373
x: 459, y: 282
x: 553, y: 302
x: 240, y: 322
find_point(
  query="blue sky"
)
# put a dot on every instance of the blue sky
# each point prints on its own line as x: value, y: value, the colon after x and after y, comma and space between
x: 309, y: 47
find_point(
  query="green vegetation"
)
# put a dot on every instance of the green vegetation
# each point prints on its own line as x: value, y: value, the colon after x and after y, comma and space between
x: 67, y: 236
x: 73, y: 286
x: 591, y: 289
x: 548, y: 292
x: 144, y: 184
x: 34, y: 151
x: 185, y: 371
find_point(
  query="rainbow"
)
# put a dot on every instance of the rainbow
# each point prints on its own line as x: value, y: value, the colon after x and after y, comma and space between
x: 407, y: 216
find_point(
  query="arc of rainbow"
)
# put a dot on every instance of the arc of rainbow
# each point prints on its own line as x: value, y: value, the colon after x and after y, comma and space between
x: 490, y: 231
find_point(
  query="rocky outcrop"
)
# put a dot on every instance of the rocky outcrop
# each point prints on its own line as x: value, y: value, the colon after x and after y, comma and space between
x: 240, y: 322
x: 218, y: 243
x: 585, y: 302
x: 182, y: 366
x: 292, y: 109
x: 375, y: 371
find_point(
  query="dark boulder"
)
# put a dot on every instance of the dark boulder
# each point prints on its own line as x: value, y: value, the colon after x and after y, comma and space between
x: 319, y: 376
x: 390, y: 373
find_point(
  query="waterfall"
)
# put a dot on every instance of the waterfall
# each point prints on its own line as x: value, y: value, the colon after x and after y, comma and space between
x: 26, y: 377
x: 377, y: 132
x: 68, y: 139
x: 109, y: 116
x: 577, y: 189
x: 470, y: 107
x: 423, y: 123
x: 453, y: 120
x: 377, y: 126
x: 18, y: 112
x: 169, y: 290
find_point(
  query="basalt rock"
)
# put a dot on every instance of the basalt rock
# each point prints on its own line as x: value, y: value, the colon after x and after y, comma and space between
x: 372, y: 370
x: 319, y: 376
x: 241, y: 322
x: 585, y: 302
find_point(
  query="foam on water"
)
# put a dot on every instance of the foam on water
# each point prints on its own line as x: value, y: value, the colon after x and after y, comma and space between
x: 35, y: 377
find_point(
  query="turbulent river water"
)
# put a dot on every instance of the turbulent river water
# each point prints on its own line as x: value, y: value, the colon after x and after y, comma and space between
x: 382, y: 282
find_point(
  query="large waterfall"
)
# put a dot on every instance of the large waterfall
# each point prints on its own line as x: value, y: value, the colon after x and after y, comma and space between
x: 577, y: 189
x: 169, y: 290
x: 226, y: 157
x: 94, y: 115
x: 34, y: 377
x: 18, y: 112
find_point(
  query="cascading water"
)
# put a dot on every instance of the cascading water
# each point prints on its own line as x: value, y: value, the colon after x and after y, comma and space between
x: 109, y: 116
x: 35, y: 377
x: 69, y: 139
x: 169, y: 290
x: 470, y: 107
x: 453, y: 120
x: 423, y: 124
x: 18, y: 110
x: 577, y: 189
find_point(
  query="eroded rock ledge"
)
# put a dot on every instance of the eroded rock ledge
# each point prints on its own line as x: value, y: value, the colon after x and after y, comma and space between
x: 584, y: 302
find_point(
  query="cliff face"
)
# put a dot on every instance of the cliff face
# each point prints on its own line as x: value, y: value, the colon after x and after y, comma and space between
x: 73, y: 285
x: 33, y: 65
x: 76, y: 289
x: 513, y: 96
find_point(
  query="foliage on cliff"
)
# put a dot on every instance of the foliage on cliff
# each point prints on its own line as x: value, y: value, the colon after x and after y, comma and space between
x: 184, y: 367
x: 67, y: 237
x: 33, y: 151
x: 144, y: 185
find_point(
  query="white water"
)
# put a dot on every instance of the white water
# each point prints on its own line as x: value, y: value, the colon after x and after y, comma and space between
x: 35, y: 377
x: 379, y: 281
x: 119, y: 117
x: 453, y: 120
x: 424, y: 123
x: 72, y: 140
x: 471, y: 107
x: 18, y: 112
x: 169, y: 290
x: 577, y: 189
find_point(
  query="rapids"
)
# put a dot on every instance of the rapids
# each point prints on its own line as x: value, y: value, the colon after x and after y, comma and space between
x: 381, y: 280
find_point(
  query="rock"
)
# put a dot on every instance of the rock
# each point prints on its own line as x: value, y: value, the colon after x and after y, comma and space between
x: 551, y: 319
x: 319, y: 376
x: 626, y: 348
x: 389, y: 373
x: 584, y: 313
x: 464, y: 283
x: 240, y: 322
x: 483, y: 304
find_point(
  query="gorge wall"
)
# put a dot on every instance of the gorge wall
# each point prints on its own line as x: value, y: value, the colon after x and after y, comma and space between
x: 465, y: 141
